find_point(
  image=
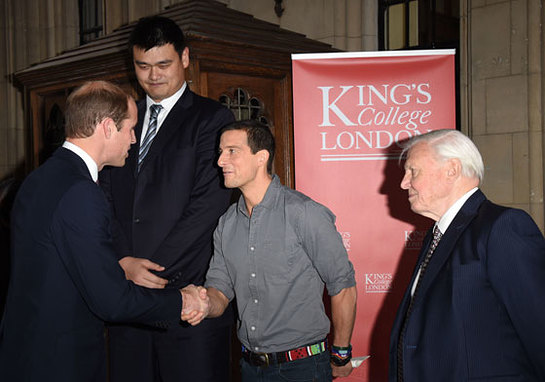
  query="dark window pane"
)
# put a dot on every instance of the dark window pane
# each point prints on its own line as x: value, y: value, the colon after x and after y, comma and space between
x: 91, y: 14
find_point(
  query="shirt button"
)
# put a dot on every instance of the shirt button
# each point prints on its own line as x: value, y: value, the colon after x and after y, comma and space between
x: 256, y: 348
x: 253, y: 328
x: 255, y: 300
x: 252, y: 249
x: 253, y: 274
x: 136, y: 220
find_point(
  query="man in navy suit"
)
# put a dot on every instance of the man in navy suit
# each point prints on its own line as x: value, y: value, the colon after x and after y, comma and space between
x: 474, y: 308
x: 65, y: 277
x: 166, y: 201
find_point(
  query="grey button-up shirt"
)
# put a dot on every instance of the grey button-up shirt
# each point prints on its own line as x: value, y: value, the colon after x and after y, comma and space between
x: 276, y: 262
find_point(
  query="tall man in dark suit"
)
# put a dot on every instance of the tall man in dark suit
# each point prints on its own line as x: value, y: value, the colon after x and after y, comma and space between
x: 474, y: 308
x: 166, y: 201
x: 65, y: 279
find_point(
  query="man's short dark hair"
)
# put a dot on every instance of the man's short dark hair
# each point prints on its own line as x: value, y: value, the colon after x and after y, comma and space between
x: 90, y: 104
x: 156, y: 31
x: 259, y: 136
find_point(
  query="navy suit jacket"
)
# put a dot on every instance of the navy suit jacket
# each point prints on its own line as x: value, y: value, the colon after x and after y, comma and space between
x: 168, y: 211
x: 66, y: 280
x: 479, y: 313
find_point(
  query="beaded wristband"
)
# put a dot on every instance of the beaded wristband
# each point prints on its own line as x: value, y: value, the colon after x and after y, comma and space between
x: 342, y: 351
x: 340, y: 355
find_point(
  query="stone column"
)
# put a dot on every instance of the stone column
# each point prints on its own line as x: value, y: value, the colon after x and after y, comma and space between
x: 32, y: 31
x: 369, y: 25
x: 536, y: 103
x: 354, y: 17
x: 340, y: 25
x: 503, y: 96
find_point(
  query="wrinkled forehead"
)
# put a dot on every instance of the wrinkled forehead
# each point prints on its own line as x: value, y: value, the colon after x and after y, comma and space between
x: 420, y: 152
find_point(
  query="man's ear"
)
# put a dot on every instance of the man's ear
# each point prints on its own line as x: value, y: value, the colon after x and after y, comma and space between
x: 263, y: 157
x: 106, y: 125
x: 454, y: 169
x: 185, y: 57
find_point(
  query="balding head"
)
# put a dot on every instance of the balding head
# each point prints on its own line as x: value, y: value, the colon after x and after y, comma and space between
x: 91, y: 103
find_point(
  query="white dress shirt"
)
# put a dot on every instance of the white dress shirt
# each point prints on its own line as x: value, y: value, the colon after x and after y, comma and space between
x: 444, y: 223
x: 89, y: 162
x: 167, y: 104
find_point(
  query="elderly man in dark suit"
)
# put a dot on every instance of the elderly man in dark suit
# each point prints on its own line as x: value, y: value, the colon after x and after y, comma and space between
x: 66, y: 280
x: 474, y: 308
x: 166, y: 201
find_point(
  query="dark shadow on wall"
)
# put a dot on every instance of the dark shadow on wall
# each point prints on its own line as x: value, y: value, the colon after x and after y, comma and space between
x: 53, y: 135
x: 399, y: 209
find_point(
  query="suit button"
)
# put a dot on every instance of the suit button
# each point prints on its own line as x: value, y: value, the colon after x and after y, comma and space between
x: 136, y: 220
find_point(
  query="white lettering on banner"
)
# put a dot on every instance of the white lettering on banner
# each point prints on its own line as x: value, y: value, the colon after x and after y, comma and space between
x: 414, y: 239
x: 373, y: 139
x: 378, y: 282
x: 333, y: 107
x: 373, y: 118
x: 366, y: 95
x: 393, y: 117
x: 346, y: 240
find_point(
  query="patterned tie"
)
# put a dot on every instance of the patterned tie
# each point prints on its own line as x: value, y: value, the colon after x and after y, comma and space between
x: 150, y: 134
x: 436, y: 237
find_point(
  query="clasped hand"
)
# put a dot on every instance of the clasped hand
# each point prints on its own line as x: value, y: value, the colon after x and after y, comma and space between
x: 196, y: 304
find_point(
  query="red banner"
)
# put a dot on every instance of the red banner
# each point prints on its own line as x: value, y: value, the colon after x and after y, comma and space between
x: 351, y: 110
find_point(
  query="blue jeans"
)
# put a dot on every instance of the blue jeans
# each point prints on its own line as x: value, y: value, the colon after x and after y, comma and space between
x: 310, y: 369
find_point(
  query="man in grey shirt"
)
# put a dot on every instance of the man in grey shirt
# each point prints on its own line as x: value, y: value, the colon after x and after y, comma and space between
x: 274, y: 250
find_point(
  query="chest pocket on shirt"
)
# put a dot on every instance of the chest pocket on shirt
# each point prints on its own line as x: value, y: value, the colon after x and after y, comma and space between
x: 278, y: 260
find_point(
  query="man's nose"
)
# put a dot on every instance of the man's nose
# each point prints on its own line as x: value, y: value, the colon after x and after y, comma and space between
x: 153, y: 73
x: 405, y: 182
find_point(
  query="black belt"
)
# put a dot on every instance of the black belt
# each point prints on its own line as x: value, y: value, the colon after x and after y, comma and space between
x: 266, y: 359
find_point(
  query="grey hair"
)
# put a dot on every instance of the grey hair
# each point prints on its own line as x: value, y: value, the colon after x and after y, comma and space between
x: 452, y: 144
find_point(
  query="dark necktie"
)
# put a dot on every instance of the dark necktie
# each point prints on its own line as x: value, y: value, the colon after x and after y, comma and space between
x: 435, y: 241
x: 150, y: 134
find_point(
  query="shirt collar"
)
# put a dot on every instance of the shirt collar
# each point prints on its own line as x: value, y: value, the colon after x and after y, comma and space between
x: 89, y: 162
x: 167, y: 103
x: 451, y: 213
x: 269, y: 198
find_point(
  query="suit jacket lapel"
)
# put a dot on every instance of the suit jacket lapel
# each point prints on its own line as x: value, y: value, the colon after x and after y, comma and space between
x: 448, y: 241
x: 132, y: 160
x: 404, y: 305
x: 139, y: 125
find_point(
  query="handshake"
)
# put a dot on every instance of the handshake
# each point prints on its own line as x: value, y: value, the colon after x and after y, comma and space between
x: 196, y: 304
